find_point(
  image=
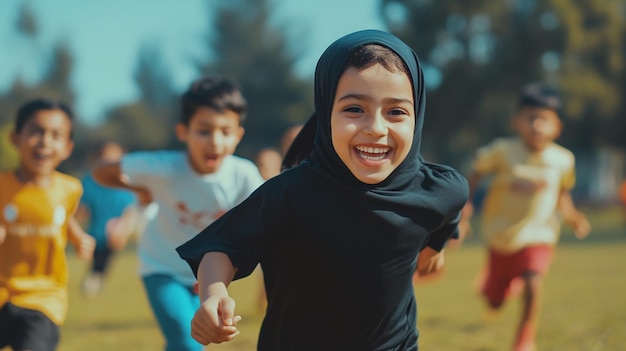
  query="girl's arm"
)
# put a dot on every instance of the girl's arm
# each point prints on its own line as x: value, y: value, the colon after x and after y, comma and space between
x: 215, y: 320
x: 572, y: 216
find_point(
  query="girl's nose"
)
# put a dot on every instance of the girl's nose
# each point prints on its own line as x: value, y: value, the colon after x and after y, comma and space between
x: 376, y: 125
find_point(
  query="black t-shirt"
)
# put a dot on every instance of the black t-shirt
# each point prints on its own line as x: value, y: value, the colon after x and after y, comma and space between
x: 336, y: 279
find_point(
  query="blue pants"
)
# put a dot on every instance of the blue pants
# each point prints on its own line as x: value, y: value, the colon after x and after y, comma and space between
x: 174, y: 305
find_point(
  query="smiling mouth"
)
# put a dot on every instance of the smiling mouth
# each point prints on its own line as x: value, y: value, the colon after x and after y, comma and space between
x: 372, y: 153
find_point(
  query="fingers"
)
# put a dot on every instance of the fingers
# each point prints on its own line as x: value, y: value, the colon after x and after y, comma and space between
x: 227, y: 311
x: 86, y: 247
x: 582, y: 228
x: 214, y: 322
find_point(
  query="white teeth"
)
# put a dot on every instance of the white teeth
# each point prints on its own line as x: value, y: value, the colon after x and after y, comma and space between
x: 372, y: 150
x: 373, y: 153
x: 371, y: 158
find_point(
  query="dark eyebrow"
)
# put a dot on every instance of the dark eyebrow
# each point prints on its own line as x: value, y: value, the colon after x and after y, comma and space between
x: 365, y: 97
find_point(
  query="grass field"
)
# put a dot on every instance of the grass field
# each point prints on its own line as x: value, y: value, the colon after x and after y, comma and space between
x: 583, y: 306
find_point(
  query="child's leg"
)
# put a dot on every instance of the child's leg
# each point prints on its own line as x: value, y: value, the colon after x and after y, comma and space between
x: 173, y: 305
x: 101, y: 258
x: 535, y: 261
x: 525, y: 337
x: 498, y: 275
x: 94, y: 280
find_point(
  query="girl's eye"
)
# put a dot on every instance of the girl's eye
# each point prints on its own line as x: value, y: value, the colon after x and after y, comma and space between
x: 398, y: 112
x: 353, y: 109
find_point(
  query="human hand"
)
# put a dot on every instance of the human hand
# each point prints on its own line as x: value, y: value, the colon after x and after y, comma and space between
x: 3, y: 233
x: 85, y: 247
x: 579, y: 224
x: 117, y: 235
x: 144, y: 196
x: 215, y: 322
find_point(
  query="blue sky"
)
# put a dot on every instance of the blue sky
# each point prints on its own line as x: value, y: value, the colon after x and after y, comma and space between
x: 105, y: 37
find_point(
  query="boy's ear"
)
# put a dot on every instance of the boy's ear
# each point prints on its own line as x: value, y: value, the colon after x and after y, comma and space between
x: 241, y: 132
x: 68, y: 150
x: 181, y: 132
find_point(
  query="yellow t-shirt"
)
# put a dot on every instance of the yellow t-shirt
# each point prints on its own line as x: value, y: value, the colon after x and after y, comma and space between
x: 33, y: 266
x: 520, y: 207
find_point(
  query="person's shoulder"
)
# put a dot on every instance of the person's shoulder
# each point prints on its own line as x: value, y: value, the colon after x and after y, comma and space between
x: 560, y: 154
x: 448, y: 180
x: 239, y: 162
x: 506, y: 143
x: 157, y: 155
x: 67, y: 182
x: 559, y: 149
x: 445, y: 173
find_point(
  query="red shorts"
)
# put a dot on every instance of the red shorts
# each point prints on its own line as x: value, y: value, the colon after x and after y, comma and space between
x: 503, y: 269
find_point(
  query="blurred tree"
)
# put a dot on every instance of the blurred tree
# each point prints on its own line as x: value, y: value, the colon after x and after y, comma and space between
x: 148, y: 122
x: 477, y: 55
x: 249, y: 50
x: 53, y: 82
x: 26, y: 21
x: 8, y: 153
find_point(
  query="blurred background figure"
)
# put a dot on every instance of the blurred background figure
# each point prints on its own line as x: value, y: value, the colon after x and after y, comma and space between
x: 110, y: 214
x: 269, y: 159
x: 526, y: 199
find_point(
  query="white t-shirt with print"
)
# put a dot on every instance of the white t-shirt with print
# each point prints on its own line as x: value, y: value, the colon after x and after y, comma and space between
x: 187, y: 203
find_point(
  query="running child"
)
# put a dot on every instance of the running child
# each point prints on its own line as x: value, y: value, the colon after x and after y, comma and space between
x: 532, y: 179
x: 112, y: 216
x: 191, y: 189
x: 338, y: 235
x: 37, y: 220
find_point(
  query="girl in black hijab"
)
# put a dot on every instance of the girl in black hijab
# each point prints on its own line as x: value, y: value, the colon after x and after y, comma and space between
x: 338, y: 234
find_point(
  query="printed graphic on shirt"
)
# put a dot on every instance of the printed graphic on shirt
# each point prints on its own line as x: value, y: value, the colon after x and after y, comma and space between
x: 11, y: 215
x: 199, y: 220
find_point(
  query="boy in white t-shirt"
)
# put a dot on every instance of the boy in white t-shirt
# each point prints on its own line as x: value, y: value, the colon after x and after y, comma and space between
x: 192, y: 188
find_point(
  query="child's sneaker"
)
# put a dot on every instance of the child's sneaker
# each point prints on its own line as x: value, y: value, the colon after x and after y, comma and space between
x: 92, y: 285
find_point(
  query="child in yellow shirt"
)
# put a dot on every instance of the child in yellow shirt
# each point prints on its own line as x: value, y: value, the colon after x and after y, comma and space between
x: 38, y: 205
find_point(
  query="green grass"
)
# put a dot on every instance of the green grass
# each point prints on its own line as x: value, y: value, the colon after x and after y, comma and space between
x: 583, y: 306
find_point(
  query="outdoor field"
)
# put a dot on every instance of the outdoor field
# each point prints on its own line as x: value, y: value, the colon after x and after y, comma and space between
x: 583, y: 306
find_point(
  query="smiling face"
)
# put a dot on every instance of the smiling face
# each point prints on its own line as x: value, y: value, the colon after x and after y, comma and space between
x: 537, y: 126
x: 43, y: 142
x: 210, y: 136
x: 373, y: 121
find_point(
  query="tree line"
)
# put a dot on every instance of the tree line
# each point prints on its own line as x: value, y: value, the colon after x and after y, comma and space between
x: 476, y: 55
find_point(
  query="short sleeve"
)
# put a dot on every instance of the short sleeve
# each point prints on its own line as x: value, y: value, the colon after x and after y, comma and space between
x: 238, y: 234
x: 488, y: 157
x: 437, y: 240
x: 568, y: 180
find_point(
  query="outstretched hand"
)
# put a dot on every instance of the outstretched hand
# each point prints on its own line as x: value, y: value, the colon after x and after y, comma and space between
x: 215, y: 321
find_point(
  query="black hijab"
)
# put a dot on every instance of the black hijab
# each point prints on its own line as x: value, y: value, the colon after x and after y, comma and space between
x: 413, y: 183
